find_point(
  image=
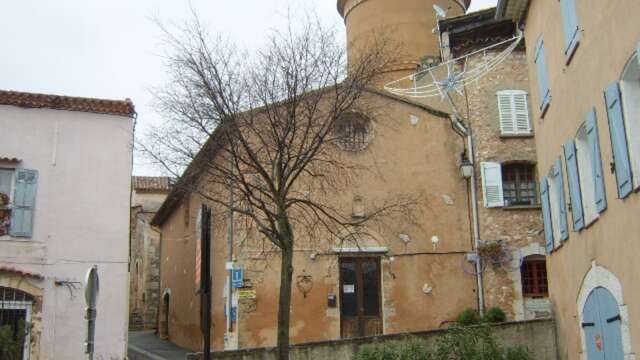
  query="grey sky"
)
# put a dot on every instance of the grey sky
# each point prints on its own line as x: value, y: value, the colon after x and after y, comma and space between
x: 109, y: 49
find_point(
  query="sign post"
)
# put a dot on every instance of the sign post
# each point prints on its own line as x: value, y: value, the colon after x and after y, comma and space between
x: 91, y: 290
x: 205, y: 279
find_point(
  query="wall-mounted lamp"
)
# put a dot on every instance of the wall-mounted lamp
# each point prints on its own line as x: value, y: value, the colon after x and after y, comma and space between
x: 466, y: 167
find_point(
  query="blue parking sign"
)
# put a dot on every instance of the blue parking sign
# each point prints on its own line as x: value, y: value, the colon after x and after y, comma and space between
x: 237, y: 278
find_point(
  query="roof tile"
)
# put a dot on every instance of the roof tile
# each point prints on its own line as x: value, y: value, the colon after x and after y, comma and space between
x: 71, y: 103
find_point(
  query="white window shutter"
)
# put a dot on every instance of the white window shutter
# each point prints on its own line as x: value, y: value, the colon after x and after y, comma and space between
x: 505, y: 110
x: 514, y: 113
x: 491, y: 184
x: 522, y: 124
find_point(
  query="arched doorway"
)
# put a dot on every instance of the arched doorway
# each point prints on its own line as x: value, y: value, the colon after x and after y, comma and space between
x: 604, y: 317
x: 164, y: 316
x: 601, y: 322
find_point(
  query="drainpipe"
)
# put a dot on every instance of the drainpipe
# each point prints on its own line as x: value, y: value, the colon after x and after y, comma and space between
x: 476, y: 225
x: 230, y: 257
x: 464, y: 130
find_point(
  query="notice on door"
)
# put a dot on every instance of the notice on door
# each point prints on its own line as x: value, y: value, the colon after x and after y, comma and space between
x: 348, y: 289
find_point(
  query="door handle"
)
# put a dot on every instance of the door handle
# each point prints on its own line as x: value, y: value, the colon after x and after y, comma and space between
x: 615, y: 318
x: 585, y: 324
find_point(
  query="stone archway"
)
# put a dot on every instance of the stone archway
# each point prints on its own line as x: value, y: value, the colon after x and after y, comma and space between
x: 599, y: 276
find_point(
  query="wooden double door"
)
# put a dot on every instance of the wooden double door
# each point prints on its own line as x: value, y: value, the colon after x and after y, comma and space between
x: 602, y: 326
x: 360, y: 297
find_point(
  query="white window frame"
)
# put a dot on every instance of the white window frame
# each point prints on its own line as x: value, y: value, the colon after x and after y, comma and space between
x: 513, y: 113
x: 21, y: 305
x: 585, y: 170
x: 630, y: 92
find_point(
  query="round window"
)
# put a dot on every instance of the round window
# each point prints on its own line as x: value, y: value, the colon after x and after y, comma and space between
x: 353, y: 132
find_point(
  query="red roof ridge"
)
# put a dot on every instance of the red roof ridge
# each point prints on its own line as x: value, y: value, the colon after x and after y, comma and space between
x: 71, y: 103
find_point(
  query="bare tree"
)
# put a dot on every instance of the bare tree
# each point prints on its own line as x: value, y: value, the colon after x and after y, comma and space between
x: 262, y: 131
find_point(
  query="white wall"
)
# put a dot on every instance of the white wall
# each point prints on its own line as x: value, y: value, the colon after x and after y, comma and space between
x: 81, y: 218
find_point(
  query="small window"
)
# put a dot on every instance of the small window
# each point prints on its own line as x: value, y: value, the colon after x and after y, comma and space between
x: 630, y: 89
x: 585, y: 155
x: 6, y: 190
x: 557, y: 204
x: 534, y: 277
x: 352, y: 132
x: 514, y: 112
x: 17, y: 201
x: 519, y: 185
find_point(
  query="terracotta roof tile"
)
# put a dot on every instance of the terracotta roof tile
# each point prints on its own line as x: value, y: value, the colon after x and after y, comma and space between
x: 15, y: 271
x: 71, y: 103
x: 154, y: 183
x: 9, y: 159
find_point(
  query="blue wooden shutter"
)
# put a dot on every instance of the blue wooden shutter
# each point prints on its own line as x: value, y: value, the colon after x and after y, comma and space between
x: 543, y: 80
x: 618, y: 140
x: 23, y: 203
x: 591, y: 127
x: 571, y: 30
x: 592, y: 327
x: 573, y: 178
x: 559, y: 181
x: 610, y: 322
x: 546, y: 214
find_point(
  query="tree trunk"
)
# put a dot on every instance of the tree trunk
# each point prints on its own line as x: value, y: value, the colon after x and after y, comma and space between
x: 284, y: 305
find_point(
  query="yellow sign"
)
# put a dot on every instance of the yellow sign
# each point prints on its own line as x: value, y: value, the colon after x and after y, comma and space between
x: 246, y: 294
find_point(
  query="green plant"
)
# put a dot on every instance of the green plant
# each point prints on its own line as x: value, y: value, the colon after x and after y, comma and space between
x: 11, y: 343
x: 494, y: 315
x: 518, y: 352
x: 407, y: 349
x: 475, y: 343
x: 468, y: 317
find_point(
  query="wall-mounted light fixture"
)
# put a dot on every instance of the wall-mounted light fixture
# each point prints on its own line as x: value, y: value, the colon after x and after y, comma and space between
x: 466, y: 166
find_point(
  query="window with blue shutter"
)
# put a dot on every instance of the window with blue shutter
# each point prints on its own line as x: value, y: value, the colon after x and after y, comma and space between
x: 573, y: 179
x: 546, y: 214
x: 544, y: 93
x: 23, y: 203
x: 563, y: 228
x: 618, y: 135
x: 571, y: 29
x: 593, y: 137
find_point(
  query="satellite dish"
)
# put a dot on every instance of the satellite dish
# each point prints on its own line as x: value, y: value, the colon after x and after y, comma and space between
x: 439, y: 11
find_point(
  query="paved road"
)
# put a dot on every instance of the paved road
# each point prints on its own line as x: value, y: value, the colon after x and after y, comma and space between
x: 145, y: 345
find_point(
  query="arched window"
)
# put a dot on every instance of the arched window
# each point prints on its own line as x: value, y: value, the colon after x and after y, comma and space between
x: 534, y: 277
x: 352, y: 132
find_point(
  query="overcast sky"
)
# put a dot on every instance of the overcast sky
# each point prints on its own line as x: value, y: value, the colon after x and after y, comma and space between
x: 110, y: 48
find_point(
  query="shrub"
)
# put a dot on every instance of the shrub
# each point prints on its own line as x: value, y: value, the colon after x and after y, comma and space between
x: 468, y: 317
x: 408, y: 349
x: 494, y: 315
x: 10, y: 346
x: 518, y: 352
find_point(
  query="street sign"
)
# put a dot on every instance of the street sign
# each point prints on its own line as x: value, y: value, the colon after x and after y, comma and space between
x: 237, y: 278
x: 91, y: 291
x: 247, y: 294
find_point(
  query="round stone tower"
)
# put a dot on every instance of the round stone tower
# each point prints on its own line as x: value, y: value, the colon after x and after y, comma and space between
x: 407, y: 24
